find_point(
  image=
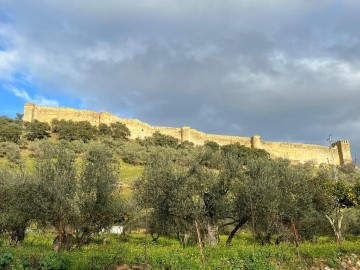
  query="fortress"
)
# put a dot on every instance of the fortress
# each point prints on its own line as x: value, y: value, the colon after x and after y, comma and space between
x: 296, y: 152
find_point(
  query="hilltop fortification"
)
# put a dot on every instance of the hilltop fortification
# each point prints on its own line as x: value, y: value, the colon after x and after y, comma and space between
x: 296, y: 152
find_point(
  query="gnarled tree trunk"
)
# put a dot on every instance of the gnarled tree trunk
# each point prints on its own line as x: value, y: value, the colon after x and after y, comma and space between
x: 16, y: 235
x: 212, y: 234
x: 234, y: 231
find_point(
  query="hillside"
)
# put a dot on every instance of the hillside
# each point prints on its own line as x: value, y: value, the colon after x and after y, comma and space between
x: 296, y: 152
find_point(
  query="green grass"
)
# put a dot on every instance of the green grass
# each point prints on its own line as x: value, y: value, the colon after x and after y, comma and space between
x: 129, y: 173
x: 167, y: 254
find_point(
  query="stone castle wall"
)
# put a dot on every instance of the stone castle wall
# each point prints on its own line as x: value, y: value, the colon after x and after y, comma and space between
x: 339, y: 152
x: 300, y: 153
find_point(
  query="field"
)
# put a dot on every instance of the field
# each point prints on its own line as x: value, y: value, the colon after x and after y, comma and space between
x: 36, y: 253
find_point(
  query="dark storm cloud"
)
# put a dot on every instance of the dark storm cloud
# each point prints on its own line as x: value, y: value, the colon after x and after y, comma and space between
x: 287, y: 70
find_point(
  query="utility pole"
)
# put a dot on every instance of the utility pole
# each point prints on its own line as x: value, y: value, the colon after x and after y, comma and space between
x: 356, y: 159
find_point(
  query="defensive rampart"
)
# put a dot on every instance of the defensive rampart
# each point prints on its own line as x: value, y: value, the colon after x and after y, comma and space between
x: 338, y: 153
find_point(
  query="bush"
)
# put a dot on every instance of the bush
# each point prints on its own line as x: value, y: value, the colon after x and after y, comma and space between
x: 22, y: 263
x: 54, y: 261
x: 78, y: 146
x: 37, y: 130
x: 186, y: 145
x: 37, y: 146
x: 214, y: 146
x: 120, y: 131
x: 11, y: 151
x: 116, y: 130
x: 158, y: 139
x: 5, y: 260
x: 352, y: 222
x: 105, y: 130
x: 134, y: 153
x: 71, y: 131
x: 243, y: 152
x: 10, y: 130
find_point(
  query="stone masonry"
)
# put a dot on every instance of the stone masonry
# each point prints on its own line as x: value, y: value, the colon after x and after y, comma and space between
x: 296, y: 152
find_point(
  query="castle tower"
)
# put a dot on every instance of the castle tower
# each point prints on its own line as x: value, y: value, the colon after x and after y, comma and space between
x: 29, y: 110
x: 256, y: 141
x: 105, y: 118
x: 343, y: 147
x: 185, y: 134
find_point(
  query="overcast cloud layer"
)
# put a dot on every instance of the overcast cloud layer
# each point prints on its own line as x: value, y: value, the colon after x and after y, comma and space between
x: 286, y: 70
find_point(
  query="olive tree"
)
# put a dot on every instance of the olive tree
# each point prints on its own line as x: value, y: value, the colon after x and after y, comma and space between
x: 37, y: 130
x: 180, y: 193
x: 98, y: 192
x: 71, y: 131
x: 158, y: 190
x: 10, y: 130
x: 159, y: 139
x: 56, y: 185
x: 15, y: 203
x: 120, y: 131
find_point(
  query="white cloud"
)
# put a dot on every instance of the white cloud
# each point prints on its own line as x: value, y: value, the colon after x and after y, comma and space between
x: 10, y: 59
x: 8, y: 63
x: 21, y: 94
x: 37, y: 99
x: 45, y: 102
x: 332, y: 68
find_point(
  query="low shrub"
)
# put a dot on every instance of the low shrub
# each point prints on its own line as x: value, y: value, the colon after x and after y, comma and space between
x: 5, y: 260
x: 54, y: 261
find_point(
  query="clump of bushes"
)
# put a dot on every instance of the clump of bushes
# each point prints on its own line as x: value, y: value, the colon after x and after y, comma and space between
x: 71, y: 131
x: 37, y: 130
x: 10, y: 129
x: 158, y: 139
x: 11, y: 151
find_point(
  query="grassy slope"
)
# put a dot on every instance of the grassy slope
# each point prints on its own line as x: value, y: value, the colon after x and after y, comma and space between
x: 128, y: 174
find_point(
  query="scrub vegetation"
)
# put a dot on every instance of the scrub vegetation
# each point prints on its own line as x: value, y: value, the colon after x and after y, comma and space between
x: 179, y: 206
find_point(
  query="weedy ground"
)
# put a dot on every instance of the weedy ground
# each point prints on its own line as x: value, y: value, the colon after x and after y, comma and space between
x: 36, y: 253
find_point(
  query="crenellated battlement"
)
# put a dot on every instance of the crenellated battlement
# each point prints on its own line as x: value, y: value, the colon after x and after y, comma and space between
x: 296, y: 152
x: 340, y: 142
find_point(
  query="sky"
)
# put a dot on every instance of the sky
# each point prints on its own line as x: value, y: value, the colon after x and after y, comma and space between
x: 286, y: 70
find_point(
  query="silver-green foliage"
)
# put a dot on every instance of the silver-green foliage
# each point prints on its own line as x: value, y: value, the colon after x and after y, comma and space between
x: 56, y: 183
x: 99, y: 203
x: 65, y: 194
x: 15, y: 211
